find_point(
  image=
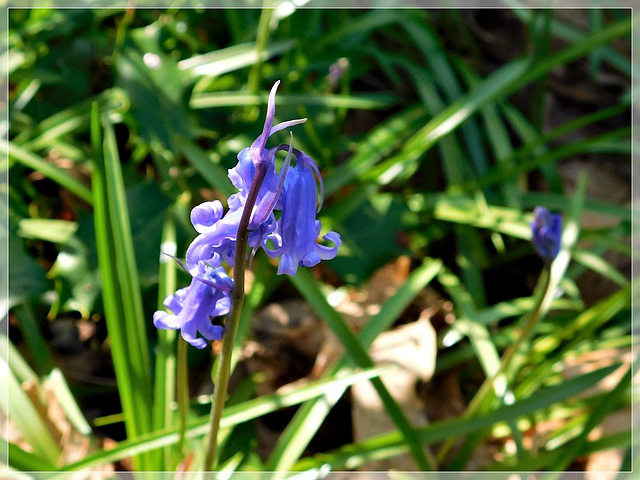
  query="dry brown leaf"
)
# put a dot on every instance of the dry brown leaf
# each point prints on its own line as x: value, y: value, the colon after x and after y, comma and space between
x: 412, y: 348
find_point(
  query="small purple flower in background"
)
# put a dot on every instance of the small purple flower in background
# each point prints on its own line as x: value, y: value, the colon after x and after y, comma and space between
x: 193, y: 306
x: 546, y: 230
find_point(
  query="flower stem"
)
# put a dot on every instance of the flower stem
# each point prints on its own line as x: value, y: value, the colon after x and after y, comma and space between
x: 543, y: 293
x: 233, y: 319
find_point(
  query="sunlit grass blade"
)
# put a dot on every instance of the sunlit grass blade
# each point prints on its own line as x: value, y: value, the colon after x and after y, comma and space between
x: 120, y: 286
x: 387, y: 445
x: 463, y: 210
x: 600, y: 265
x: 26, y: 418
x: 164, y: 382
x: 582, y: 328
x: 74, y: 119
x: 371, y: 101
x: 229, y: 59
x: 616, y: 141
x: 39, y: 164
x: 498, y: 136
x: 358, y: 354
x: 600, y: 411
x: 233, y: 415
x: 377, y: 143
x: 445, y: 76
x: 310, y: 416
x: 514, y: 76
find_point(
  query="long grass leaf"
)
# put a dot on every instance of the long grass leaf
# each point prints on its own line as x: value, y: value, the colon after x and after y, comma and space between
x: 22, y: 460
x: 231, y: 416
x: 387, y: 445
x: 131, y: 375
x: 358, y: 354
x: 164, y: 383
x: 512, y: 77
x: 310, y: 416
x: 377, y: 101
x: 26, y: 418
x: 229, y: 59
x: 40, y: 165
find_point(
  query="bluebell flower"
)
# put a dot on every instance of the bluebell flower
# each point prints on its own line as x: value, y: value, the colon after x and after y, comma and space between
x: 218, y: 233
x: 297, y: 231
x: 293, y: 191
x: 546, y: 233
x: 195, y: 305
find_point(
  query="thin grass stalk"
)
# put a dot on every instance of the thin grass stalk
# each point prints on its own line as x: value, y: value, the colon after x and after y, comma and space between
x: 165, y: 377
x: 110, y: 287
x: 32, y: 334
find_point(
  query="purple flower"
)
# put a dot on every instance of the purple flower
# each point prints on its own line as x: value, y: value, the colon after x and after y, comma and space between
x: 546, y: 230
x: 193, y: 306
x: 297, y: 230
x: 292, y: 191
x: 218, y: 233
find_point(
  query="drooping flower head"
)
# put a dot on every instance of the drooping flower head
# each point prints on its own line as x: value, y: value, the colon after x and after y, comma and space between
x: 195, y: 305
x: 546, y: 233
x: 297, y: 230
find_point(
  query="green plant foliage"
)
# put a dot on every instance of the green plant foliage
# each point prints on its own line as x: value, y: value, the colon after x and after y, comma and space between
x: 437, y: 132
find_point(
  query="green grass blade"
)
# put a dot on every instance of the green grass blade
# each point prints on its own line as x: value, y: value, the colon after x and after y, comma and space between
x: 444, y: 74
x: 23, y: 460
x: 136, y: 331
x: 19, y: 366
x: 210, y: 171
x: 310, y: 416
x: 164, y: 384
x: 225, y: 60
x: 571, y: 34
x: 600, y: 265
x: 377, y: 143
x: 373, y: 101
x: 40, y: 165
x: 233, y: 415
x: 387, y: 445
x: 32, y: 333
x: 307, y: 286
x: 26, y: 418
x: 74, y: 119
x: 600, y: 411
x: 130, y: 354
x: 512, y: 77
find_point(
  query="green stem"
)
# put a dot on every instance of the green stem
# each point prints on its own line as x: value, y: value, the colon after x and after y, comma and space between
x: 233, y: 319
x: 485, y: 388
x: 183, y: 391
